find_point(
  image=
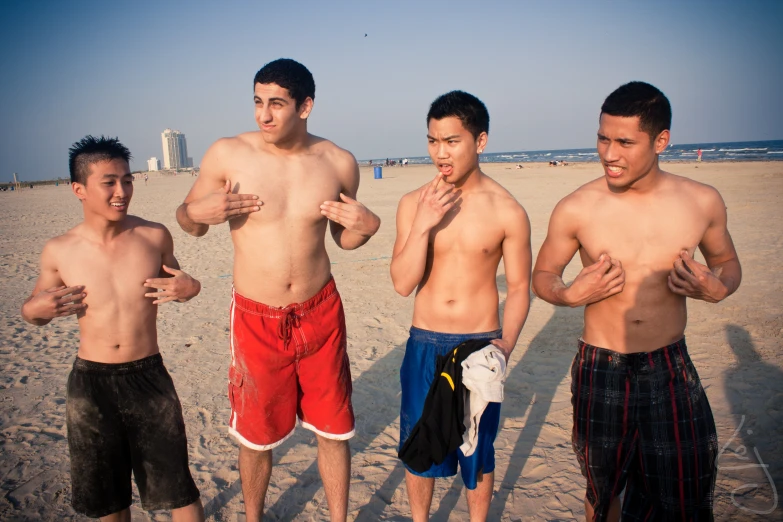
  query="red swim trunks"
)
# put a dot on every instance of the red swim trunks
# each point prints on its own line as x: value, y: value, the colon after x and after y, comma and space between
x: 286, y: 363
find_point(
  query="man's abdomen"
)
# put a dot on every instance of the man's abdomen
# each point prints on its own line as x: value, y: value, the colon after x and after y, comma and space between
x: 636, y: 320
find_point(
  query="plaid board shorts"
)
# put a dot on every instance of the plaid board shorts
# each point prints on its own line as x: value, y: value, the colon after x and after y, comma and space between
x: 642, y: 422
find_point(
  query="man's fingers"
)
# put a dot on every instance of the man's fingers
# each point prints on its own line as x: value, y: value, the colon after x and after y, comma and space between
x: 674, y: 288
x: 347, y: 199
x: 677, y: 280
x: 68, y: 290
x: 70, y: 299
x: 164, y: 300
x: 159, y: 282
x: 683, y: 271
x: 436, y: 180
x: 444, y: 191
x: 244, y: 203
x: 233, y: 198
x: 690, y: 264
x: 164, y: 293
x: 227, y: 187
x: 241, y: 211
x: 69, y: 309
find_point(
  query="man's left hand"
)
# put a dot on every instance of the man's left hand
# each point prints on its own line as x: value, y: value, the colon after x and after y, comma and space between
x: 352, y: 215
x: 179, y: 288
x: 504, y: 347
x: 690, y: 278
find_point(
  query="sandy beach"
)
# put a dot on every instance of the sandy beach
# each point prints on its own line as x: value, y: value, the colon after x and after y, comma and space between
x: 736, y: 346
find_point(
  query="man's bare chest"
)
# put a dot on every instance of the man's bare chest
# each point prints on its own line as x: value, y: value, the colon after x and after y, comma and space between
x: 642, y: 238
x: 469, y: 233
x: 109, y: 272
x: 290, y: 194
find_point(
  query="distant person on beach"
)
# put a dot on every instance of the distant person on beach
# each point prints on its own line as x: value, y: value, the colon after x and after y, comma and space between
x: 288, y: 339
x: 642, y: 421
x: 698, y: 155
x: 122, y: 412
x: 451, y: 235
x: 146, y: 177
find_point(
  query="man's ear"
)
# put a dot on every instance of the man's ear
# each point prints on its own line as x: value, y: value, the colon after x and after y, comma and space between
x: 662, y: 141
x: 79, y: 190
x: 306, y: 108
x: 481, y: 142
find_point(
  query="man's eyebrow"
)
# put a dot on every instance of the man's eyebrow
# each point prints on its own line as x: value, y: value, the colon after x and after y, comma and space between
x: 445, y: 138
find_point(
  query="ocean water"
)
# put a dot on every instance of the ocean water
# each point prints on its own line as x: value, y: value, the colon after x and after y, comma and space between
x: 711, y: 152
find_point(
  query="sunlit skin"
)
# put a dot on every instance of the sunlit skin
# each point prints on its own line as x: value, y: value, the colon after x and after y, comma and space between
x: 451, y: 235
x: 636, y: 230
x: 111, y: 271
x: 109, y: 264
x: 278, y: 188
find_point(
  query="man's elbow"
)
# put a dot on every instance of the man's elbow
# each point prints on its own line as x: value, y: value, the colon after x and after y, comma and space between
x: 401, y: 287
x: 403, y: 290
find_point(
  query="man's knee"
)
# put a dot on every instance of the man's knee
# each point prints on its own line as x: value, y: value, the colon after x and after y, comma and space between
x: 252, y: 455
x: 330, y: 444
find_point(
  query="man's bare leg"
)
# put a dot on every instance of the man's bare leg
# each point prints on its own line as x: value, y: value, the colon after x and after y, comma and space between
x: 334, y: 464
x: 255, y: 469
x: 480, y: 498
x: 190, y: 513
x: 612, y: 516
x: 419, y: 495
x: 119, y: 516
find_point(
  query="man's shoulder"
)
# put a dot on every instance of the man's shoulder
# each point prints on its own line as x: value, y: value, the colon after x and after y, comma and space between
x: 327, y: 149
x: 691, y: 187
x: 62, y: 242
x: 585, y: 196
x: 243, y: 140
x: 151, y: 229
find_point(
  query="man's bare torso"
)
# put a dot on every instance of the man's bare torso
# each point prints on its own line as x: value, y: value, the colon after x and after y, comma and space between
x: 279, y: 252
x: 458, y: 293
x: 645, y: 232
x: 118, y: 324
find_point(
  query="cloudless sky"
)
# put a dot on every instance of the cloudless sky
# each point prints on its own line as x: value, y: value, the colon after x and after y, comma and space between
x: 132, y: 69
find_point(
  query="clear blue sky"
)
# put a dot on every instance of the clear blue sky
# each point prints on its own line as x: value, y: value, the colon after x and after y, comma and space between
x: 542, y: 68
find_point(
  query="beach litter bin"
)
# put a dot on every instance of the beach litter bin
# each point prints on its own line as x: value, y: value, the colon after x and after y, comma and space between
x: 378, y: 172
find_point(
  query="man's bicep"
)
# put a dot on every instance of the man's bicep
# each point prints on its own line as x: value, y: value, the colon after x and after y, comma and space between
x: 717, y: 245
x: 211, y: 175
x: 167, y: 253
x: 517, y: 256
x: 560, y: 243
x: 405, y: 214
x: 49, y: 276
x: 350, y: 181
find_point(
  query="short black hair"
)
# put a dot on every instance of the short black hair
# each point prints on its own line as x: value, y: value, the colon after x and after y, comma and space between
x: 289, y: 74
x: 643, y: 100
x: 470, y: 110
x: 89, y: 150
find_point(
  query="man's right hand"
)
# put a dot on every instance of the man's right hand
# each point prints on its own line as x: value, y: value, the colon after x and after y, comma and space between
x: 596, y: 282
x: 58, y: 301
x: 220, y: 206
x: 434, y: 202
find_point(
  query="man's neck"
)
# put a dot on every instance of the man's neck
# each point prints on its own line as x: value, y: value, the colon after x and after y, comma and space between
x: 291, y: 146
x: 471, y: 181
x: 101, y: 230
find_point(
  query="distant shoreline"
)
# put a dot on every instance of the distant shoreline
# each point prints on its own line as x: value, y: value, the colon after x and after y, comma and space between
x: 364, y: 165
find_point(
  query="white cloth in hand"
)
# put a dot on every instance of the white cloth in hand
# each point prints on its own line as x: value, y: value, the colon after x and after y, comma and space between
x: 483, y: 374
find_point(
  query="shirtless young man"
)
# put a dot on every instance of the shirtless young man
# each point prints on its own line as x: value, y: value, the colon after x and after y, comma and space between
x: 122, y: 412
x: 288, y: 343
x: 451, y: 235
x: 641, y: 419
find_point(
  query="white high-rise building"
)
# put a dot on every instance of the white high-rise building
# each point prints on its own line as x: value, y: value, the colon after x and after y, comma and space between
x: 153, y: 164
x: 175, y: 149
